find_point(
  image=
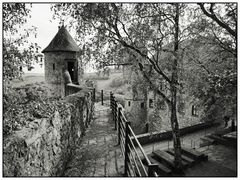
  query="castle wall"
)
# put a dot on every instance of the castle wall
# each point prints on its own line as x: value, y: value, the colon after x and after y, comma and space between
x: 159, y: 115
x: 45, y: 146
x: 136, y: 114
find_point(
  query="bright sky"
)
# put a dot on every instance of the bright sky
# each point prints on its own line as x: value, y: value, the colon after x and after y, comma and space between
x: 41, y: 17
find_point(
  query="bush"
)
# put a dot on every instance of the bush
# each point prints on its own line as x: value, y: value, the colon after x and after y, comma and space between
x: 96, y: 77
x: 26, y: 103
x: 117, y: 82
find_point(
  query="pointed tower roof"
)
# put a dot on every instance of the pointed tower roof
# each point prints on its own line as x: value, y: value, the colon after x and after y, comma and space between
x: 62, y: 41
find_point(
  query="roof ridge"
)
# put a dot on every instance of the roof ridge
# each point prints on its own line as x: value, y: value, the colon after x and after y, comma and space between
x: 62, y: 41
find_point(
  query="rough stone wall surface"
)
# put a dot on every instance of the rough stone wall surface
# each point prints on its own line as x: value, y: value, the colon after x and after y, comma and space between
x: 55, y: 77
x: 159, y: 118
x: 184, y: 119
x: 43, y: 148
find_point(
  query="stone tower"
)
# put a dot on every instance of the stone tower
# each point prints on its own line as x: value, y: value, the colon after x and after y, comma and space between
x: 135, y: 100
x: 61, y: 54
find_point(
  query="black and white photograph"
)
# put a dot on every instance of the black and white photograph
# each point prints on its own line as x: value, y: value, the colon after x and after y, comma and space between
x: 119, y: 89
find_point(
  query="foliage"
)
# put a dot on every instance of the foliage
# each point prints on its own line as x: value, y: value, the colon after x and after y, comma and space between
x: 14, y: 15
x: 95, y: 77
x: 211, y: 67
x: 221, y: 96
x: 117, y: 82
x: 17, y: 51
x: 154, y: 34
x: 26, y: 103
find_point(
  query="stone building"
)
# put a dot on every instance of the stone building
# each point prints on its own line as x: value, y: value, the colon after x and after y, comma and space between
x: 61, y: 54
x: 148, y: 110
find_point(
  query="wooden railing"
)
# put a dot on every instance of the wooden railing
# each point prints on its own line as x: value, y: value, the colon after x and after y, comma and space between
x: 132, y: 150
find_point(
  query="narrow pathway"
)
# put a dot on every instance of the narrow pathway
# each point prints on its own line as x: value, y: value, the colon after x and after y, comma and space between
x: 98, y: 155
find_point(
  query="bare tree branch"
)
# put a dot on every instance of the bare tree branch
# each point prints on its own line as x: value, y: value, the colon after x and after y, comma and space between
x: 213, y: 16
x: 153, y: 86
x: 125, y: 44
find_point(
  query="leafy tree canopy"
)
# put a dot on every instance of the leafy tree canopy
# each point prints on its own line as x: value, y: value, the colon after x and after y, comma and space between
x: 17, y: 51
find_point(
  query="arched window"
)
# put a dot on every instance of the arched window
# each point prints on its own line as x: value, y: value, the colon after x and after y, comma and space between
x: 150, y: 103
x: 53, y: 66
x: 129, y: 103
x: 142, y: 105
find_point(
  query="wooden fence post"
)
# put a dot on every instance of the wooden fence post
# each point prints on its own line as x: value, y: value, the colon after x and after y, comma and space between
x: 94, y: 94
x: 112, y: 105
x: 126, y: 160
x: 114, y: 109
x: 116, y: 112
x: 152, y: 168
x: 102, y: 96
x: 118, y: 123
x: 110, y: 99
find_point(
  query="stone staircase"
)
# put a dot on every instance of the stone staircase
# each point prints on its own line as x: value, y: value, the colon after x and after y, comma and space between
x: 165, y: 160
x: 222, y: 136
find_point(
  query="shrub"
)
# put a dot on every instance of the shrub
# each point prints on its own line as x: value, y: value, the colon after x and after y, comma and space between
x: 24, y: 104
x: 117, y: 82
x: 96, y: 77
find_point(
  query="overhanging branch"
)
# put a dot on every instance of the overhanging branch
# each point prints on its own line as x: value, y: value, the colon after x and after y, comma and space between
x: 213, y: 16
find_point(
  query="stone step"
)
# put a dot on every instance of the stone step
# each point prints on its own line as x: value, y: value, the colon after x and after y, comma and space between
x: 194, y: 154
x: 221, y: 140
x: 162, y: 170
x: 188, y: 160
x: 206, y: 141
x: 166, y: 158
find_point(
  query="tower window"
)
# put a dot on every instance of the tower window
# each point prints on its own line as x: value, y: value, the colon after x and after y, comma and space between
x: 194, y: 110
x: 150, y: 103
x: 53, y: 66
x: 129, y: 103
x: 142, y: 105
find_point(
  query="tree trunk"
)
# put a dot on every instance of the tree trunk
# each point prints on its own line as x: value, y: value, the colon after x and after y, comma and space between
x: 173, y: 88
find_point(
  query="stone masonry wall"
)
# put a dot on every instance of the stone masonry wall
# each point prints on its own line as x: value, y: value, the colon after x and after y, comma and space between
x: 55, y: 77
x: 43, y: 148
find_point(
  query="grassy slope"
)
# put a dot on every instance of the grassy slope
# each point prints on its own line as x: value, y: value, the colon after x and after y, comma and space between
x: 28, y: 78
x: 101, y: 84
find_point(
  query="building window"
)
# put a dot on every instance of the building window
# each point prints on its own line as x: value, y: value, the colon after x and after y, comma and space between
x: 129, y: 103
x: 194, y: 110
x: 53, y: 66
x: 161, y: 86
x: 142, y: 105
x: 150, y: 103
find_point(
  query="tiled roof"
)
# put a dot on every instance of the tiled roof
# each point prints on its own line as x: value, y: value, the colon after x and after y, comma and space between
x: 62, y: 41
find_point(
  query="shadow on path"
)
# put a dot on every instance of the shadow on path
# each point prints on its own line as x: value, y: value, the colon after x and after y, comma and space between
x: 98, y: 154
